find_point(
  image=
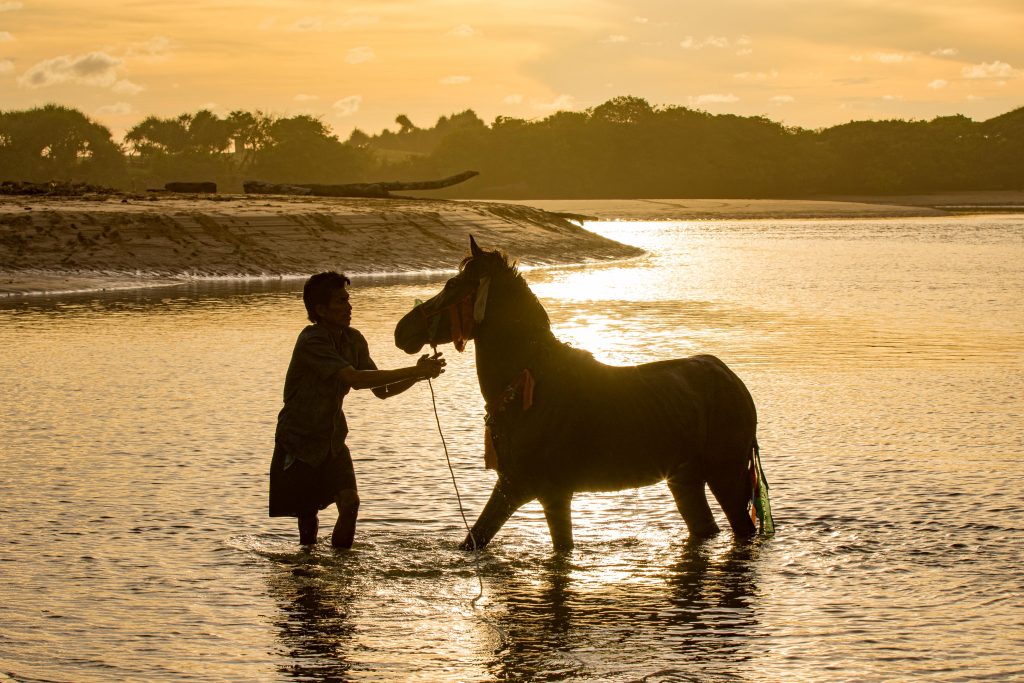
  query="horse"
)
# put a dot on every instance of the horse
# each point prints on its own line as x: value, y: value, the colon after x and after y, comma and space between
x: 560, y: 422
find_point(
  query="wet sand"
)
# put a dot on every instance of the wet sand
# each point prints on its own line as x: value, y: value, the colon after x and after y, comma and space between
x: 54, y: 244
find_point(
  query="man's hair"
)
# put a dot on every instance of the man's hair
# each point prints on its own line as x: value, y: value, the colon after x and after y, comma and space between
x: 318, y: 290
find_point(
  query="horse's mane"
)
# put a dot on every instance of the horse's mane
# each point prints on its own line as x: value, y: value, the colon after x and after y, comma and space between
x: 543, y: 322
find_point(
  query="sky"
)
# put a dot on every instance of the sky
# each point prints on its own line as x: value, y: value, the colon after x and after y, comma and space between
x: 805, y: 63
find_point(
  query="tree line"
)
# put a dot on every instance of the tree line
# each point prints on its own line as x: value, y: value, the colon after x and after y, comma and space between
x: 623, y: 148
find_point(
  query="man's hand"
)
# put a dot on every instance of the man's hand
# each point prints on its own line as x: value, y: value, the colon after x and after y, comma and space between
x: 432, y: 366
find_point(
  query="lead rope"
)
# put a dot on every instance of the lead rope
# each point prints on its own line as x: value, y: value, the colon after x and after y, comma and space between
x: 469, y: 532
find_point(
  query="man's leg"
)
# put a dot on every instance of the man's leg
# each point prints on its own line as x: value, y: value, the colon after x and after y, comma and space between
x: 308, y: 526
x: 347, y: 501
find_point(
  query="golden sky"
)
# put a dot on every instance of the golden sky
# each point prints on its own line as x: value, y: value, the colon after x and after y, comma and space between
x: 810, y: 63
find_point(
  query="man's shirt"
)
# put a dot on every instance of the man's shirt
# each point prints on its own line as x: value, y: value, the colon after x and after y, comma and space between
x: 312, y: 424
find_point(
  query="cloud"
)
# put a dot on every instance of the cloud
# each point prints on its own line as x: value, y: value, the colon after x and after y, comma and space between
x: 347, y: 106
x: 10, y: 6
x: 156, y: 48
x: 515, y: 98
x: 302, y: 97
x: 95, y: 68
x: 360, y: 55
x: 5, y: 37
x: 945, y: 52
x: 640, y: 20
x: 882, y: 57
x: 618, y: 38
x: 782, y: 99
x: 986, y: 70
x: 6, y: 66
x: 560, y: 103
x: 974, y: 98
x: 307, y: 24
x: 938, y: 84
x: 126, y: 87
x: 893, y: 98
x: 890, y: 57
x: 266, y: 24
x: 116, y: 109
x: 713, y: 98
x: 691, y: 43
x: 463, y: 31
x: 756, y: 75
x: 454, y: 80
x: 854, y: 80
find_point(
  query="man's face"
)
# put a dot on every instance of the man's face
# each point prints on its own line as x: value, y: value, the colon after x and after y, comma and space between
x: 337, y: 313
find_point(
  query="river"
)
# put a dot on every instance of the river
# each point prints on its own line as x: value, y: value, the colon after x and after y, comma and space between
x: 885, y: 358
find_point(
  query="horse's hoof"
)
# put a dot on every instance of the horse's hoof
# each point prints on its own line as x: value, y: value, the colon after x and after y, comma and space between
x: 470, y: 544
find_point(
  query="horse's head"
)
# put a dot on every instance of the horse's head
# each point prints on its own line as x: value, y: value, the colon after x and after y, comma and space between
x: 452, y: 315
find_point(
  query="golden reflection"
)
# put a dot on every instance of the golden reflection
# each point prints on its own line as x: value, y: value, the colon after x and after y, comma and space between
x: 596, y: 284
x: 593, y: 333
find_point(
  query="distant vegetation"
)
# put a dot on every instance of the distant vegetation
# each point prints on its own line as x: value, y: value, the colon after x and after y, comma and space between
x: 620, y: 149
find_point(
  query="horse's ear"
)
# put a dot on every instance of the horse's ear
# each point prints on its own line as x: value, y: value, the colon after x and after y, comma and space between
x: 473, y: 248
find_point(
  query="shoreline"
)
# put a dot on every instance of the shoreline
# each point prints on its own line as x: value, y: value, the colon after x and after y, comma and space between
x: 64, y: 245
x: 817, y: 207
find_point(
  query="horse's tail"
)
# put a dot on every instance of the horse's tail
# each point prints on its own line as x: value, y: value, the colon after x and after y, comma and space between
x: 760, y: 506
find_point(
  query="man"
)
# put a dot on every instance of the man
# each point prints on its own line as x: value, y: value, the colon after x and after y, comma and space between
x: 311, y: 466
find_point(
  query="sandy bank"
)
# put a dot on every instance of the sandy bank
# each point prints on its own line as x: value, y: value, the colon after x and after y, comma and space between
x: 75, y: 244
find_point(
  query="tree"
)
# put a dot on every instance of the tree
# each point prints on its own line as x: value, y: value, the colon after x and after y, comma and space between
x: 57, y: 143
x: 407, y: 125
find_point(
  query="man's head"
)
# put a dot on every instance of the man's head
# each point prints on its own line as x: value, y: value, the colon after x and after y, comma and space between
x: 319, y: 296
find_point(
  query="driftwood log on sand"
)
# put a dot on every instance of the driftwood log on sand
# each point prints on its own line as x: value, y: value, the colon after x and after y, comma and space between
x: 191, y: 188
x: 354, y: 189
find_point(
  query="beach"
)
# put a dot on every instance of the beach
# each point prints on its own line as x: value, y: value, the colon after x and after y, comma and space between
x: 111, y: 241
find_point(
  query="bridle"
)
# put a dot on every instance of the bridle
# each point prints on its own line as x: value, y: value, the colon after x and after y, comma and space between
x: 464, y: 314
x: 460, y: 313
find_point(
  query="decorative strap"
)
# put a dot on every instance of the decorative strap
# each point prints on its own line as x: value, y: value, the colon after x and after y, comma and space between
x: 522, y: 385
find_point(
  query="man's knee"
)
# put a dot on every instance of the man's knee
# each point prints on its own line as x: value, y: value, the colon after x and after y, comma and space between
x: 347, y: 500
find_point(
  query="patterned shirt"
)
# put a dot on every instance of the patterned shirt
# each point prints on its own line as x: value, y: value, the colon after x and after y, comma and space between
x: 312, y: 424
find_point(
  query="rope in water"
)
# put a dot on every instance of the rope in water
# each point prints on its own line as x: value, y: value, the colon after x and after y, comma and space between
x: 462, y: 511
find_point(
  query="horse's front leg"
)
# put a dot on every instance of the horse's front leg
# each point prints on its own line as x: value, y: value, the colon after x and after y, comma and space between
x: 505, y: 499
x: 558, y: 513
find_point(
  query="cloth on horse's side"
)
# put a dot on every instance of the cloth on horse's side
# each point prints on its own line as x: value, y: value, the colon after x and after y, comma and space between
x: 523, y: 384
x: 759, y: 507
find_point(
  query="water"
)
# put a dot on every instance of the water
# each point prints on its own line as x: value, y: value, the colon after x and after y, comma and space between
x: 885, y: 359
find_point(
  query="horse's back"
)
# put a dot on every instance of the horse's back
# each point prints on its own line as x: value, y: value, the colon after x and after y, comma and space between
x: 636, y: 424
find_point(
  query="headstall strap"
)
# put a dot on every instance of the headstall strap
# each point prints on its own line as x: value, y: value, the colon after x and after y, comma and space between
x: 461, y: 313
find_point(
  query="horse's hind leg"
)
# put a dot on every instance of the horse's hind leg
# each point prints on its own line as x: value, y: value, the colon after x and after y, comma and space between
x: 688, y: 490
x: 729, y: 479
x: 558, y: 512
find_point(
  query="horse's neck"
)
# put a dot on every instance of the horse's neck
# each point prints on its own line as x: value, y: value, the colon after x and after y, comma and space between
x: 513, y: 337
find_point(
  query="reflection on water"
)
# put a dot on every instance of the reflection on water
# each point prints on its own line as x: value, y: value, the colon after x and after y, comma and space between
x: 315, y: 629
x: 884, y: 357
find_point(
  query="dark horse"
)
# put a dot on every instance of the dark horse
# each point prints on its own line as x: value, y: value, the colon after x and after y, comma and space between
x: 558, y: 421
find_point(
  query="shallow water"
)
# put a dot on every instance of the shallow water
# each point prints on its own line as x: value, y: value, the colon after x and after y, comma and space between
x: 885, y: 360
